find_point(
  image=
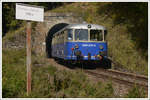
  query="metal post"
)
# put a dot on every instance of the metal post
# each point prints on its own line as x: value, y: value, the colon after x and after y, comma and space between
x: 28, y: 57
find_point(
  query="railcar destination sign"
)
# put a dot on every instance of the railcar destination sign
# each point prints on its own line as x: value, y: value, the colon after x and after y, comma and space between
x: 28, y: 12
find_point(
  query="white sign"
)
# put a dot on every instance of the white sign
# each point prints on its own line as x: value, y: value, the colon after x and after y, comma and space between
x: 89, y: 45
x: 29, y: 12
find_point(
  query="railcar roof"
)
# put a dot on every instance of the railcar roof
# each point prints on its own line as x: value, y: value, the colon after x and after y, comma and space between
x: 85, y: 26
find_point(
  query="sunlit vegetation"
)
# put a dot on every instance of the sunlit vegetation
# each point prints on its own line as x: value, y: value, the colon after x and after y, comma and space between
x: 48, y: 81
x: 9, y: 20
x: 127, y: 32
x: 127, y: 44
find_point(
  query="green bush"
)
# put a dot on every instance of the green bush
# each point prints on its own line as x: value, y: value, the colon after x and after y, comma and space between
x: 14, y: 77
x: 122, y: 28
x: 136, y: 92
x: 47, y: 81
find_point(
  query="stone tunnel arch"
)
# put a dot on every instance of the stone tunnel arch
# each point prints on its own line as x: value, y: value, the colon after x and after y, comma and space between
x: 49, y: 36
x: 43, y: 32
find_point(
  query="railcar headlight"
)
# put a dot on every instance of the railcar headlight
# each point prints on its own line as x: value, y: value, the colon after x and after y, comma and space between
x: 89, y: 26
x: 101, y: 47
x: 72, y: 49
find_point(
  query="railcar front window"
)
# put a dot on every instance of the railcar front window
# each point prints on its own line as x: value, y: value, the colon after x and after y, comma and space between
x: 96, y: 35
x: 70, y: 34
x: 81, y: 34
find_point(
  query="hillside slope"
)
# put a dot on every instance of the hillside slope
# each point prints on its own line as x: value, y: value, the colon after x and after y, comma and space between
x: 48, y: 81
x: 121, y: 47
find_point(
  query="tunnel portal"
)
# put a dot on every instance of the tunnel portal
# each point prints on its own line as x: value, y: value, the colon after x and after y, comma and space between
x: 51, y: 32
x: 43, y: 32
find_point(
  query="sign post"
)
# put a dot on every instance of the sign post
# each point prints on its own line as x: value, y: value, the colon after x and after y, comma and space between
x: 32, y: 13
x: 28, y: 58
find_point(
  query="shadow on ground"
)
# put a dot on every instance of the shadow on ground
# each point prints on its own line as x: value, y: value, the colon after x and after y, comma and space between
x: 105, y: 63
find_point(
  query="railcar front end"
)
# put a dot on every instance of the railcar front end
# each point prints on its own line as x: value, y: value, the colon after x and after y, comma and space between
x: 86, y: 50
x: 86, y: 42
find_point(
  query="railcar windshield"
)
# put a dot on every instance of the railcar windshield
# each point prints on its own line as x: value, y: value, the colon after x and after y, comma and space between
x: 81, y: 34
x: 96, y: 35
x: 70, y: 34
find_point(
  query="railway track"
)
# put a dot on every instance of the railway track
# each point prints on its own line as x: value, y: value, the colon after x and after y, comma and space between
x: 120, y: 77
x: 122, y: 81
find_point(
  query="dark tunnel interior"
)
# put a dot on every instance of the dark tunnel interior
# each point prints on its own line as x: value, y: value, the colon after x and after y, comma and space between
x: 51, y: 32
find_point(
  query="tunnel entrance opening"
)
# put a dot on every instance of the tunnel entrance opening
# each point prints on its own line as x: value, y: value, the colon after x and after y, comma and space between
x: 51, y: 32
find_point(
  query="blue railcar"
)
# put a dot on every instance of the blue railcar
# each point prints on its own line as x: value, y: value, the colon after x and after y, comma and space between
x: 78, y: 42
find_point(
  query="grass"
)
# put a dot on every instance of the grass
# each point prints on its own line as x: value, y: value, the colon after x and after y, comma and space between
x: 13, y: 73
x: 121, y: 47
x: 10, y: 35
x: 49, y: 82
x: 21, y: 32
x: 136, y: 92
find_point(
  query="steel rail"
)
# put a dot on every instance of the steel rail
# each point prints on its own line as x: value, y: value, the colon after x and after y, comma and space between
x: 117, y: 79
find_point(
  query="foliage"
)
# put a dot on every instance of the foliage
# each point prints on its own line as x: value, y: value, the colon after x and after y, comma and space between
x: 128, y: 34
x: 47, y: 81
x: 14, y: 75
x: 9, y: 21
x: 135, y: 17
x: 8, y: 16
x: 136, y: 92
x: 11, y: 35
x: 122, y: 28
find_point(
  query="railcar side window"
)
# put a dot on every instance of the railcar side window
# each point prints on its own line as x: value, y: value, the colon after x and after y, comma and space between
x: 53, y: 41
x: 96, y: 35
x: 70, y: 34
x: 81, y: 34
